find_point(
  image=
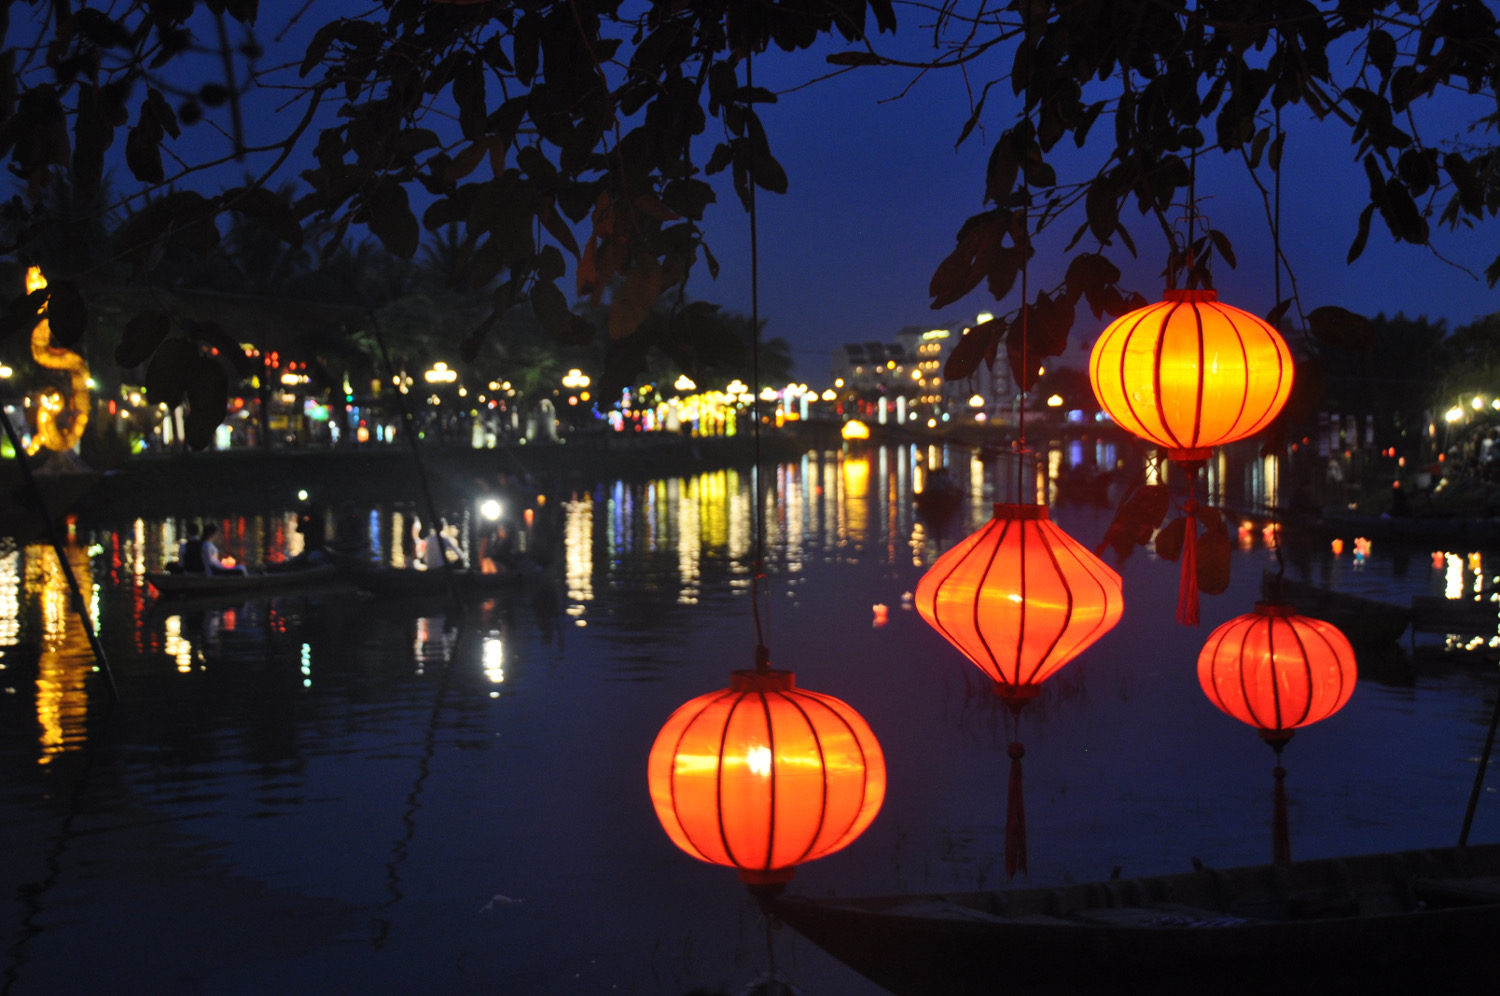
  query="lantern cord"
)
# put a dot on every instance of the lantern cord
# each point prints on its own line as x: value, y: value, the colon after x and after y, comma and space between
x: 1281, y: 845
x: 1276, y: 270
x: 1025, y: 260
x: 758, y: 568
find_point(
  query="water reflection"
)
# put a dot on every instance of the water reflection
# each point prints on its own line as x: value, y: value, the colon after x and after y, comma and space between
x: 412, y: 769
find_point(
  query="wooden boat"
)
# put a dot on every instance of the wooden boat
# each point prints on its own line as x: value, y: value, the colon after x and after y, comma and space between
x: 1411, y: 921
x: 390, y: 581
x: 1365, y: 621
x: 261, y: 582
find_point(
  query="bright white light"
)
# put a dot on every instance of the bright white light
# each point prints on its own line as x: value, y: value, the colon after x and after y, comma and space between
x: 1055, y: 401
x: 758, y: 759
x: 490, y: 509
x: 768, y: 394
x: 440, y: 374
x: 575, y: 378
x: 830, y: 395
x: 1478, y: 402
x: 684, y: 383
x: 736, y: 386
x: 977, y: 401
x: 1454, y: 414
x: 302, y: 495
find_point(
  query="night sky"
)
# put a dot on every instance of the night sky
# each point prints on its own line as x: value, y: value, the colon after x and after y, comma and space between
x: 878, y: 192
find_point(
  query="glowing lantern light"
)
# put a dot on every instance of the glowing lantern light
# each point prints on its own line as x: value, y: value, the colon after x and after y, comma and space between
x: 1277, y: 671
x: 1439, y: 560
x: 855, y: 429
x: 1188, y: 374
x: 60, y: 420
x: 763, y: 776
x: 1338, y: 547
x: 1020, y: 598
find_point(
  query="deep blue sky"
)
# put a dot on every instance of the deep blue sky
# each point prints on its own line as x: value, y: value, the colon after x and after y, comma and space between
x: 878, y: 191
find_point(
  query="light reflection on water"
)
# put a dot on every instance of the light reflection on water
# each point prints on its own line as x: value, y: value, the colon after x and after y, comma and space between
x: 377, y: 796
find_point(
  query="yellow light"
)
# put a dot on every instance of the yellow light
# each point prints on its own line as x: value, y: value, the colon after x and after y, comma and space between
x: 768, y: 394
x: 584, y: 395
x: 683, y: 383
x: 976, y: 401
x: 916, y: 375
x: 440, y: 374
x: 1454, y: 414
x: 839, y: 382
x: 52, y: 433
x: 830, y: 395
x: 736, y: 386
x: 1478, y: 402
x: 855, y: 429
x: 1055, y: 401
x: 932, y: 423
x: 982, y: 317
x: 575, y: 378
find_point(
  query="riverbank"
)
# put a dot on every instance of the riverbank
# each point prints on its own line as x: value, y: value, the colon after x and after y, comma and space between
x: 229, y: 481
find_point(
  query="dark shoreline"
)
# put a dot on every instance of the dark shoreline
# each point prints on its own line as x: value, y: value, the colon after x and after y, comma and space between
x: 226, y: 482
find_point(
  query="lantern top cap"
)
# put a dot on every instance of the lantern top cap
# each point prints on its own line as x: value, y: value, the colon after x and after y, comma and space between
x: 769, y: 680
x: 1280, y: 610
x: 1192, y: 296
x: 1008, y: 510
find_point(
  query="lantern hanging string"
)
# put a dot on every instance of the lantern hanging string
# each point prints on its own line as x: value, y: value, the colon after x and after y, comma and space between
x: 1015, y: 799
x: 1275, y: 593
x: 758, y: 587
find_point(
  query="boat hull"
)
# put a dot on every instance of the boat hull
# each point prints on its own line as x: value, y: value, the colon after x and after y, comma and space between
x: 1418, y: 919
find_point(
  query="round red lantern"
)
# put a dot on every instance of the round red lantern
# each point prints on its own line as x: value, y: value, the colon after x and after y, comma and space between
x: 763, y: 776
x: 1020, y: 598
x: 1190, y: 373
x: 1277, y: 671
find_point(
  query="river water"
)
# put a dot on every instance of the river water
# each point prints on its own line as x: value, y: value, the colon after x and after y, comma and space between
x: 331, y: 793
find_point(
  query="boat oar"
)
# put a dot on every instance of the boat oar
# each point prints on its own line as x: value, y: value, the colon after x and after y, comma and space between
x: 416, y: 453
x: 79, y: 606
x: 1484, y: 761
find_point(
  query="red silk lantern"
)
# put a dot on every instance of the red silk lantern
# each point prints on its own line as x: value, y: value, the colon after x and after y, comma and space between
x: 1020, y: 598
x: 1189, y: 374
x: 763, y: 776
x: 1277, y: 671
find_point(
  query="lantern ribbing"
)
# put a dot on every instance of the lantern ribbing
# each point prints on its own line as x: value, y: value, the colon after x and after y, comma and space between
x: 764, y: 776
x: 1190, y: 373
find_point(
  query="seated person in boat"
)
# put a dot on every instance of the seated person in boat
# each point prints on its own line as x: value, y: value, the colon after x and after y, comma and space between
x: 314, y: 551
x: 497, y: 550
x: 438, y: 549
x: 175, y: 566
x: 201, y: 556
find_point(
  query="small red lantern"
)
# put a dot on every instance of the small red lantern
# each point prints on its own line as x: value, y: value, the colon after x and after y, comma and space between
x: 763, y: 776
x: 1189, y: 374
x: 1020, y: 598
x: 1277, y: 671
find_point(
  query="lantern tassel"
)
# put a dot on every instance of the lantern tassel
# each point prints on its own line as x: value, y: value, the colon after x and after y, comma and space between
x: 1015, y: 816
x: 1187, y: 585
x: 1281, y: 844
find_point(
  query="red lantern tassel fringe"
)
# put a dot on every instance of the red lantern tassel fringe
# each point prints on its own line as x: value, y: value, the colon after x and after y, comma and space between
x: 1187, y: 585
x: 1015, y: 816
x: 1281, y: 844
